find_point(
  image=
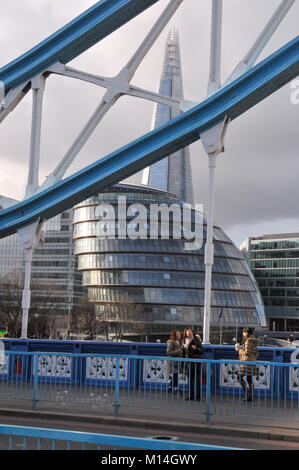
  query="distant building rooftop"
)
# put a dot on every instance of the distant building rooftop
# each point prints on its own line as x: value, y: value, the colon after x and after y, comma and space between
x: 277, y: 236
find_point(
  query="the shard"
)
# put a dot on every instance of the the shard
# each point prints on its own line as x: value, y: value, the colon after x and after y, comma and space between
x: 172, y: 174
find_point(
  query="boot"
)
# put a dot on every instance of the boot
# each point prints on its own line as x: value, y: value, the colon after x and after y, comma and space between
x: 244, y: 386
x: 249, y: 392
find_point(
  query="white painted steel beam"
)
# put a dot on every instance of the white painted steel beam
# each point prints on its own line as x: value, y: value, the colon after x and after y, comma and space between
x: 252, y: 55
x: 214, y: 139
x: 121, y: 87
x: 90, y: 27
x: 38, y: 88
x: 232, y: 101
x: 213, y: 144
x: 215, y: 53
x: 106, y: 103
x: 152, y: 36
x: 116, y: 87
x: 12, y: 99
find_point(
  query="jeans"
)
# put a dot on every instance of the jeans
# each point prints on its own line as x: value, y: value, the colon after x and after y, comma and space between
x: 194, y: 380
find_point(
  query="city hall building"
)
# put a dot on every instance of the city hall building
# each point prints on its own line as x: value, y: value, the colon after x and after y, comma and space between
x: 163, y: 278
x: 160, y: 277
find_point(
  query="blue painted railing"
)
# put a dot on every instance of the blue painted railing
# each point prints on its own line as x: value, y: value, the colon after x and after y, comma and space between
x: 142, y: 381
x: 212, y: 351
x: 38, y: 439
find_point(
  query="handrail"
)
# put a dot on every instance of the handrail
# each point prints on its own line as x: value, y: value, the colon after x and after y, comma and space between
x: 159, y: 358
x: 146, y: 381
x: 104, y: 439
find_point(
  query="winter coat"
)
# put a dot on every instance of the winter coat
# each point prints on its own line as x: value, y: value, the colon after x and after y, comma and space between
x: 174, y: 349
x: 249, y: 352
x: 191, y: 352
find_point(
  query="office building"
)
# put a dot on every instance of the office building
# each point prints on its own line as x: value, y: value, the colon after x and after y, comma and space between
x: 274, y: 262
x: 54, y: 265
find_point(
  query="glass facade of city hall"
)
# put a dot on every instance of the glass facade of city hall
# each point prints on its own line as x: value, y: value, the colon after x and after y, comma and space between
x: 274, y: 261
x: 164, y: 279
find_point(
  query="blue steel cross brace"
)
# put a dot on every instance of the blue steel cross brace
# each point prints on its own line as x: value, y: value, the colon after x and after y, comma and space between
x: 73, y: 39
x: 230, y: 102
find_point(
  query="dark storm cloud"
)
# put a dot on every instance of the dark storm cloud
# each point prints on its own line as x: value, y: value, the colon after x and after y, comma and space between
x: 256, y: 176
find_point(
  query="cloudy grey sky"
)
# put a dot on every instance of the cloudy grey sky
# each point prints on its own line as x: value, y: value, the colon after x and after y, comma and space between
x: 257, y: 176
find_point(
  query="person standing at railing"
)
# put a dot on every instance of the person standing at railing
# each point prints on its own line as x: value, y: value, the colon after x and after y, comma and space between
x: 192, y: 348
x: 174, y: 349
x: 248, y: 352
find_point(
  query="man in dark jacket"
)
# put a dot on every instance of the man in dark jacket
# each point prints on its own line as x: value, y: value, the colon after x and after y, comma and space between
x: 192, y: 348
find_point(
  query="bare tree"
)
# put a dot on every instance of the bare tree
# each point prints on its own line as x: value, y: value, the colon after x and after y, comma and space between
x: 124, y: 317
x: 44, y: 310
x: 45, y: 302
x: 52, y: 325
x: 11, y: 288
x: 85, y: 319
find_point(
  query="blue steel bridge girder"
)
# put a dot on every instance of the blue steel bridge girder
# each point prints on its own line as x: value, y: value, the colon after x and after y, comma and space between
x: 228, y: 103
x: 93, y: 25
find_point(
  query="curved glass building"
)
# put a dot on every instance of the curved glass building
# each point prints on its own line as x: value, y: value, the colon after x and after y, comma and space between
x: 160, y: 277
x: 147, y: 276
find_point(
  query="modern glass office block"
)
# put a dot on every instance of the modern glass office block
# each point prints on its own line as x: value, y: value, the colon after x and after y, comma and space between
x: 54, y: 265
x: 274, y: 261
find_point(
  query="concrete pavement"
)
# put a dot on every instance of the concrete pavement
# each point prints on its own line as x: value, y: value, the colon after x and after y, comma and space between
x: 189, y: 419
